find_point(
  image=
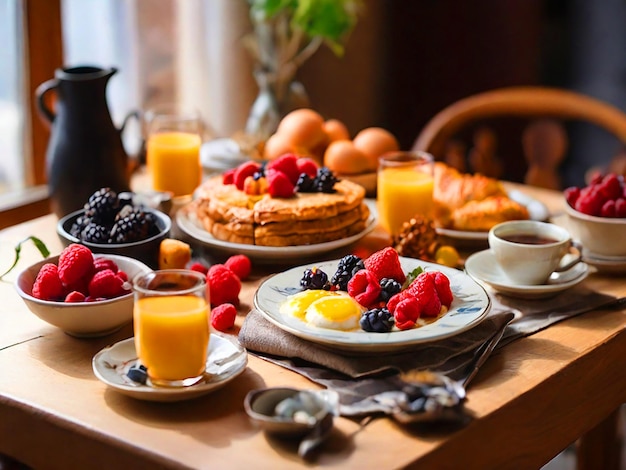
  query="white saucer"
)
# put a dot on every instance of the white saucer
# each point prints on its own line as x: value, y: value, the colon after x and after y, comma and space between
x: 483, y: 267
x: 227, y: 359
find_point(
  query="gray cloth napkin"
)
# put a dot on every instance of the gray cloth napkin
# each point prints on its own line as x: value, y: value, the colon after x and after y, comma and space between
x: 358, y: 377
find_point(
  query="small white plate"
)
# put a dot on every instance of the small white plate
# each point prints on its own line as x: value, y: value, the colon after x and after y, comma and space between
x: 190, y: 225
x: 470, y: 305
x: 227, y: 359
x: 605, y: 264
x: 536, y: 209
x: 483, y: 267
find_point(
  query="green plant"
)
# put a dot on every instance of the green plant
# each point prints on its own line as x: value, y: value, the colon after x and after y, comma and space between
x: 18, y: 248
x: 327, y: 20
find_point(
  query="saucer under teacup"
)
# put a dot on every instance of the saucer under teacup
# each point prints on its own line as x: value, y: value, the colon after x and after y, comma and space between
x: 483, y: 267
x: 604, y: 263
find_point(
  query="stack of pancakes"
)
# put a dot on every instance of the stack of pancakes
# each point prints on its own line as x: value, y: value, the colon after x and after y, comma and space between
x: 307, y: 218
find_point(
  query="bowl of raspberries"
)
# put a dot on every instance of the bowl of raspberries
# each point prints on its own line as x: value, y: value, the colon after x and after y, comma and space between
x: 112, y: 223
x: 597, y: 215
x: 82, y: 293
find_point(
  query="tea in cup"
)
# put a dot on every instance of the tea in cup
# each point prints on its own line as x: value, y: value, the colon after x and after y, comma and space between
x: 171, y: 321
x: 529, y: 251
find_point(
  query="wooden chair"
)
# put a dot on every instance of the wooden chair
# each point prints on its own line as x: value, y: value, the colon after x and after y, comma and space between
x: 544, y: 141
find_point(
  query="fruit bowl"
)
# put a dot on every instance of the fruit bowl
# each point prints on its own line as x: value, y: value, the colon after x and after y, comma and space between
x: 81, y: 319
x: 146, y: 250
x: 602, y: 236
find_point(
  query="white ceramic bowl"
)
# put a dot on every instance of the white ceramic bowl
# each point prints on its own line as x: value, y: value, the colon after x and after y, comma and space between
x: 82, y: 319
x: 604, y: 236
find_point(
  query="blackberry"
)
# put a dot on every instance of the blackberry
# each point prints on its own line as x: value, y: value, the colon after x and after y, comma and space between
x: 79, y: 225
x: 388, y: 288
x: 377, y: 320
x: 102, y: 206
x: 94, y: 233
x: 138, y: 373
x: 305, y: 184
x: 347, y: 267
x: 132, y: 226
x: 325, y: 181
x: 314, y: 279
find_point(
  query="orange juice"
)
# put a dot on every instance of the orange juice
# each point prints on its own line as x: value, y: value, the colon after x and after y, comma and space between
x: 402, y: 193
x: 172, y: 336
x: 173, y: 160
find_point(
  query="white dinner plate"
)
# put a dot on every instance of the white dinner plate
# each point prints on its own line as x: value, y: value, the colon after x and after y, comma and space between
x: 227, y: 359
x: 190, y: 225
x: 470, y: 305
x: 536, y: 209
x: 483, y: 267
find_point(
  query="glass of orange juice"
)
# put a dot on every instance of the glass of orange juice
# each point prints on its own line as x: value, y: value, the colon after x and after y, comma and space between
x: 171, y: 321
x: 404, y: 188
x: 173, y: 149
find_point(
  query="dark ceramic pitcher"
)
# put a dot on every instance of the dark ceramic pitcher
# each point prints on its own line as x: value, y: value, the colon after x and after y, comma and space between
x: 85, y: 151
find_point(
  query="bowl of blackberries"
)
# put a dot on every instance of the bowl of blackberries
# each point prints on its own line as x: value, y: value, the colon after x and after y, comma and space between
x: 112, y: 223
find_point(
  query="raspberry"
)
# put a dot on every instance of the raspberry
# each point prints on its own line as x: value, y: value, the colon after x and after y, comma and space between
x: 199, y: 267
x: 243, y: 171
x: 240, y: 265
x: 224, y: 285
x: 74, y: 297
x: 406, y: 313
x: 620, y: 208
x: 106, y: 284
x: 425, y: 291
x: 386, y: 263
x: 364, y: 288
x: 82, y: 286
x: 279, y: 184
x: 100, y: 264
x: 590, y: 201
x: 76, y: 261
x: 442, y: 285
x: 307, y: 166
x: 223, y: 317
x: 610, y: 187
x: 288, y: 165
x: 571, y: 195
x: 229, y: 176
x: 608, y: 209
x: 122, y: 275
x: 47, y: 285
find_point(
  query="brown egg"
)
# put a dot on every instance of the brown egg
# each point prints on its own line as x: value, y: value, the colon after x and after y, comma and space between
x: 276, y: 146
x: 303, y: 127
x: 343, y: 158
x: 374, y: 141
x: 336, y: 130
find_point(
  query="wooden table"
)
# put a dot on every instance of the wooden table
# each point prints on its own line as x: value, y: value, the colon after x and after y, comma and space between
x: 530, y: 400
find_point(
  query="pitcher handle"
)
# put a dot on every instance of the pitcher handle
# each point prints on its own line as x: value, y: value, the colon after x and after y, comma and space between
x: 46, y: 113
x: 133, y: 114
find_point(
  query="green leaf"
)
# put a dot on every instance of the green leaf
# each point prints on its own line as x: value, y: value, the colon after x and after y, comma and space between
x: 412, y: 276
x: 43, y: 249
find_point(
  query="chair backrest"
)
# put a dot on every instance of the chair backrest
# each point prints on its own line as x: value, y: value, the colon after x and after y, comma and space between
x: 544, y: 141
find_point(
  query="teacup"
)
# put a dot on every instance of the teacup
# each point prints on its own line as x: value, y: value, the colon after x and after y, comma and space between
x: 529, y: 251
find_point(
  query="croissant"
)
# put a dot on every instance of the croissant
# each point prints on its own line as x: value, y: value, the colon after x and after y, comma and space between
x: 480, y: 216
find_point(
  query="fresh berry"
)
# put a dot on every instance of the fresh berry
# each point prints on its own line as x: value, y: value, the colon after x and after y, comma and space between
x: 102, y: 206
x: 199, y: 267
x: 407, y: 312
x: 305, y: 184
x: 122, y: 275
x: 386, y: 263
x: 100, y: 264
x: 442, y: 285
x: 377, y: 320
x: 325, y: 180
x: 571, y: 195
x: 74, y: 296
x: 75, y: 261
x: 307, y: 166
x: 48, y: 285
x: 240, y: 265
x: 608, y: 209
x: 81, y: 285
x: 138, y: 373
x: 224, y: 285
x: 132, y: 224
x: 620, y: 208
x: 288, y: 165
x: 347, y: 267
x: 314, y: 279
x: 229, y: 176
x: 590, y: 201
x: 94, y: 233
x: 388, y: 288
x: 223, y: 317
x: 106, y: 284
x: 279, y: 185
x: 610, y: 187
x: 425, y: 290
x: 243, y: 171
x: 364, y: 288
x: 79, y: 225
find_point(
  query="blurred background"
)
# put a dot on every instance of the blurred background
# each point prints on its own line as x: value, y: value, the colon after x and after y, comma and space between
x: 403, y: 62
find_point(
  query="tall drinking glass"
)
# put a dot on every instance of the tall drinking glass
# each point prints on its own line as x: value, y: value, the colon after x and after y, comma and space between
x: 171, y: 321
x: 173, y: 150
x: 405, y: 188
